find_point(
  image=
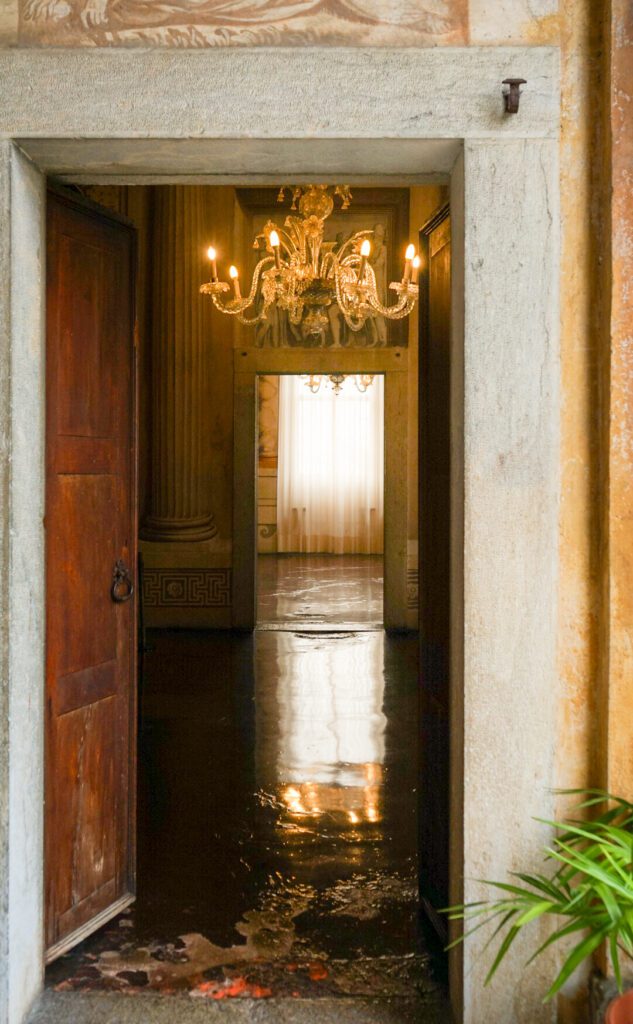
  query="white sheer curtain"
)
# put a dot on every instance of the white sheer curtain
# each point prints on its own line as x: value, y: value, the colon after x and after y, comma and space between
x: 330, y: 482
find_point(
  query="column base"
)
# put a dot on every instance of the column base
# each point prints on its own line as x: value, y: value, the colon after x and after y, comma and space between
x: 155, y: 528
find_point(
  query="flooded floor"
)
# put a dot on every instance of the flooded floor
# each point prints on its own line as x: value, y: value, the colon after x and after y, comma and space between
x: 277, y: 824
x: 320, y: 590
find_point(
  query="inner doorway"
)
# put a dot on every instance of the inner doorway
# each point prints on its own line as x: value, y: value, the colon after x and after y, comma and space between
x: 320, y: 500
x: 288, y: 846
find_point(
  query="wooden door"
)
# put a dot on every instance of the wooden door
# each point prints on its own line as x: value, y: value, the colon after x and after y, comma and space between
x: 90, y: 527
x: 434, y: 568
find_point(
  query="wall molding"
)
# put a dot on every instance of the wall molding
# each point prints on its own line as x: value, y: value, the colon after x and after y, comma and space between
x: 125, y: 93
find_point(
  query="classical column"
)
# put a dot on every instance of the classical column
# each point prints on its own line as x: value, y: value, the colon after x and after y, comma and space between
x: 179, y: 500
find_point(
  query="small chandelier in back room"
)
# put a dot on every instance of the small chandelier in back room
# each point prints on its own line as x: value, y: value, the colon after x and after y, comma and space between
x: 314, y: 381
x: 303, y: 275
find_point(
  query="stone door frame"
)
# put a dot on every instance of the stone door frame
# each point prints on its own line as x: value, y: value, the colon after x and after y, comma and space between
x: 249, y: 364
x: 397, y: 116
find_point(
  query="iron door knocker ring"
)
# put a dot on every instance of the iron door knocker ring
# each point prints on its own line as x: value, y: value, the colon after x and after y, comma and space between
x: 122, y: 587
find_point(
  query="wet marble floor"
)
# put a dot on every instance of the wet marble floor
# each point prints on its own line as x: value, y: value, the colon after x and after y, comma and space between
x: 277, y: 825
x: 315, y: 591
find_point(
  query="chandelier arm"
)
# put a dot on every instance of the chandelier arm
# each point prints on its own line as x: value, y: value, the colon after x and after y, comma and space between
x: 236, y: 307
x: 359, y: 235
x: 287, y: 241
x: 251, y: 321
x: 296, y: 234
x: 355, y: 323
x: 328, y: 264
x: 400, y: 309
x: 352, y: 260
x: 404, y: 305
x: 257, y: 273
x: 238, y: 312
x: 233, y: 307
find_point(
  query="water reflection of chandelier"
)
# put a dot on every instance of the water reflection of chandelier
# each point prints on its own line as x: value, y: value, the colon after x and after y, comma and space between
x: 303, y: 275
x: 314, y: 381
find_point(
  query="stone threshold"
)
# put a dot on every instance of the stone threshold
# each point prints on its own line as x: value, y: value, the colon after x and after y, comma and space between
x: 115, y: 1008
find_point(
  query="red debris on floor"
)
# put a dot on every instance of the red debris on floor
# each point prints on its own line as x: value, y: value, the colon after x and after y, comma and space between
x: 231, y: 988
x: 318, y: 971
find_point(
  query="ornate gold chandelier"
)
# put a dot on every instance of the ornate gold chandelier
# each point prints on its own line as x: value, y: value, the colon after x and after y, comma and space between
x: 303, y: 275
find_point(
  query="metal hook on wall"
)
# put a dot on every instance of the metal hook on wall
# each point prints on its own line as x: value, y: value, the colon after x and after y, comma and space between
x: 512, y: 94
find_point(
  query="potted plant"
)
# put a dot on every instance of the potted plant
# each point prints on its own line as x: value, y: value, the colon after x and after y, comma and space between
x: 589, y: 885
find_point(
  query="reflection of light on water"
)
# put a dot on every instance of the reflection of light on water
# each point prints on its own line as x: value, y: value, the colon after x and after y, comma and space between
x: 292, y: 798
x: 330, y: 742
x: 354, y: 803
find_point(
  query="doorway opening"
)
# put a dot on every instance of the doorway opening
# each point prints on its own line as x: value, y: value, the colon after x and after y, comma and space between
x: 278, y: 824
x: 320, y: 501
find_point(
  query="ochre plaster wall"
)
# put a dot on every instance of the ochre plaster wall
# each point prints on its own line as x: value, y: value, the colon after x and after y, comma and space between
x: 619, y: 724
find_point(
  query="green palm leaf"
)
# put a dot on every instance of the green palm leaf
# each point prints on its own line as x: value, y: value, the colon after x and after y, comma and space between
x: 590, y: 885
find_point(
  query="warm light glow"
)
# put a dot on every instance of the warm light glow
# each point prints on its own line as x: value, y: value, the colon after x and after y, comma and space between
x: 233, y: 272
x: 273, y: 238
x: 211, y: 253
x: 416, y: 263
x: 365, y: 248
x: 410, y: 253
x: 292, y: 798
x: 353, y: 817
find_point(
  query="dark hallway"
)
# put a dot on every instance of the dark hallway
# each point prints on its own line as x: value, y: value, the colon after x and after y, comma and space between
x: 277, y: 824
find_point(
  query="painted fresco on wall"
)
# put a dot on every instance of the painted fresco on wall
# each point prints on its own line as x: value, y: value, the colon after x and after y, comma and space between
x: 200, y: 23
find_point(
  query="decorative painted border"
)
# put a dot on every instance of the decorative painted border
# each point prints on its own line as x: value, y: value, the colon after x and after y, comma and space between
x: 187, y: 588
x: 233, y: 23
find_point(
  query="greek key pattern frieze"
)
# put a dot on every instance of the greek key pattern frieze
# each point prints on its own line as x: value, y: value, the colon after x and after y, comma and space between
x: 187, y: 588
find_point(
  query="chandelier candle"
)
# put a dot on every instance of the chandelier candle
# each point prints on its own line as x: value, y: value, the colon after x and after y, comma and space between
x: 235, y: 277
x: 408, y: 259
x: 273, y: 238
x: 302, y: 275
x: 211, y: 253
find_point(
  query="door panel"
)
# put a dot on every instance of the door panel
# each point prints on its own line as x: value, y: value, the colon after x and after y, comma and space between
x: 87, y: 506
x: 90, y: 525
x: 434, y: 569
